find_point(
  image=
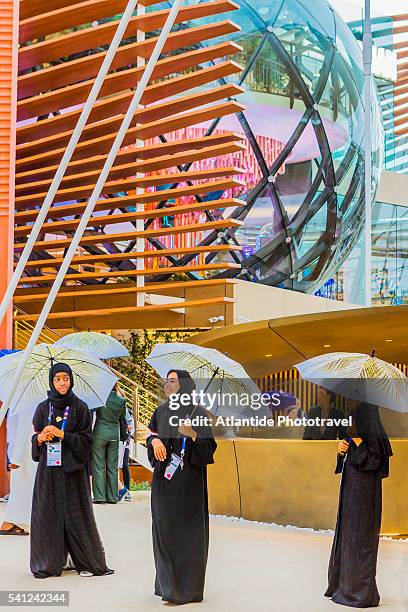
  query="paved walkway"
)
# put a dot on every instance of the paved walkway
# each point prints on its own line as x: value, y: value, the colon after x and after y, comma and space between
x: 250, y: 566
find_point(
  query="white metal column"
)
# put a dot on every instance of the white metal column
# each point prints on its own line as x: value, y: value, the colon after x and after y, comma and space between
x: 367, y: 60
x: 92, y: 201
x: 140, y: 242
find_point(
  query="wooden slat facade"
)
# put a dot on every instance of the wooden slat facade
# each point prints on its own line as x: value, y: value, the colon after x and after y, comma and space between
x: 8, y: 100
x: 155, y: 177
x: 400, y: 30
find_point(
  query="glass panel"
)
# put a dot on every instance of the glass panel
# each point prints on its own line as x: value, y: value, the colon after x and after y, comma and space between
x: 261, y: 225
x: 274, y: 267
x: 389, y: 255
x: 295, y: 12
x: 294, y: 185
x: 311, y: 232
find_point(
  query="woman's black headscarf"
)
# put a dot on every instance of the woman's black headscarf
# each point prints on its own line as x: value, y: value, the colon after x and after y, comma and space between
x: 187, y: 386
x: 370, y: 429
x: 57, y: 399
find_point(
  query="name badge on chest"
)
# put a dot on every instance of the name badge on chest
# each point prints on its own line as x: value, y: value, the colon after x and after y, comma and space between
x: 54, y: 454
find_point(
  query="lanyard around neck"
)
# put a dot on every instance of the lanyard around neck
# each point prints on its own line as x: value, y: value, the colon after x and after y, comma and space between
x: 64, y: 420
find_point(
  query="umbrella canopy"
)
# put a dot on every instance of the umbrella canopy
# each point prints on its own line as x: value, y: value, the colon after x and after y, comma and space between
x: 100, y: 345
x: 4, y: 352
x: 93, y: 380
x: 213, y: 372
x: 360, y: 377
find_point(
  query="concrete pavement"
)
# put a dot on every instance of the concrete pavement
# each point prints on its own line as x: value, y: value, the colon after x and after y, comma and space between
x: 250, y: 566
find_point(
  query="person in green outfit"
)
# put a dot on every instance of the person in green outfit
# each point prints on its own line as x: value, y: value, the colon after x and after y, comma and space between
x: 105, y: 448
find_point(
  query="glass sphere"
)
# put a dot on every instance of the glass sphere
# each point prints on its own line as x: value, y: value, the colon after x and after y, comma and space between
x: 303, y: 126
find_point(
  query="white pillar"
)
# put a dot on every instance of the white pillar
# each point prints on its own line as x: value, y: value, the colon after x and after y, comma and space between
x: 367, y: 60
x: 140, y: 242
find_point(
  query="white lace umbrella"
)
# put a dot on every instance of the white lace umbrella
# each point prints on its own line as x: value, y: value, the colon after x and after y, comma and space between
x: 360, y: 377
x: 93, y: 380
x: 212, y: 371
x: 100, y: 345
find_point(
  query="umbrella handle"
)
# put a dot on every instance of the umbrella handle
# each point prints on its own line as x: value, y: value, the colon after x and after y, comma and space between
x: 211, y: 379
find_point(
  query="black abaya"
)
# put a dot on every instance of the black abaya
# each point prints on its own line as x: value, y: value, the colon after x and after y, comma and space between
x: 62, y: 520
x: 353, y: 560
x: 180, y: 511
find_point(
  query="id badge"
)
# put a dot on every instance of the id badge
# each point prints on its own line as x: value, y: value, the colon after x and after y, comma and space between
x: 172, y: 467
x: 54, y: 454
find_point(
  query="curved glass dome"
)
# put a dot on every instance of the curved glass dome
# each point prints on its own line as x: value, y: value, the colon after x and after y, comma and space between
x: 304, y: 130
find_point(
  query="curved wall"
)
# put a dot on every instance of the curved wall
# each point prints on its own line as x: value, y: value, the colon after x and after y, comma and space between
x: 292, y: 482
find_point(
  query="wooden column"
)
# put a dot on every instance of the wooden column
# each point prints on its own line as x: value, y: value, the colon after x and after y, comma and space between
x: 8, y: 101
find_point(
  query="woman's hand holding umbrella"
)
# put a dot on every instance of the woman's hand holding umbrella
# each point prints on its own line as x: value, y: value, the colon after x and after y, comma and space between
x: 187, y: 431
x: 343, y: 447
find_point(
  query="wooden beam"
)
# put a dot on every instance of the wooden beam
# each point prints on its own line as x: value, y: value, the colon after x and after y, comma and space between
x: 126, y: 159
x: 90, y: 38
x: 149, y: 130
x: 119, y: 81
x: 154, y: 254
x: 117, y: 288
x: 400, y: 45
x: 400, y: 30
x: 62, y: 18
x: 402, y: 89
x: 87, y: 67
x: 49, y: 278
x: 154, y: 180
x: 120, y: 171
x: 30, y: 8
x: 401, y: 17
x: 124, y: 236
x: 102, y: 221
x: 54, y: 127
x: 56, y: 212
x: 129, y: 309
x: 403, y: 118
x: 172, y: 147
x: 401, y: 103
x: 150, y: 114
x: 401, y: 75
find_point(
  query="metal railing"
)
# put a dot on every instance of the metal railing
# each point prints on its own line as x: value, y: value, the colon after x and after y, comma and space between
x: 145, y: 376
x: 142, y: 400
x: 22, y: 332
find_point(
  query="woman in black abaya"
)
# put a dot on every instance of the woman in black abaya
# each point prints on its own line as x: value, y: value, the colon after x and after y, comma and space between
x: 180, y: 505
x: 62, y: 520
x: 364, y: 462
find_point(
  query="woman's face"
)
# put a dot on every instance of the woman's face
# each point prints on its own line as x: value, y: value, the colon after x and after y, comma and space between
x: 323, y: 398
x: 171, y: 384
x: 62, y: 382
x: 292, y: 412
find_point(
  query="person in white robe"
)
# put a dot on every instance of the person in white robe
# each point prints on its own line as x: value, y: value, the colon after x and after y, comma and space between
x: 23, y: 469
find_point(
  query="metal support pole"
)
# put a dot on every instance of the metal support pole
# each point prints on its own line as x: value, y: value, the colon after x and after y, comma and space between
x: 59, y: 175
x: 92, y: 201
x: 140, y: 223
x: 367, y: 61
